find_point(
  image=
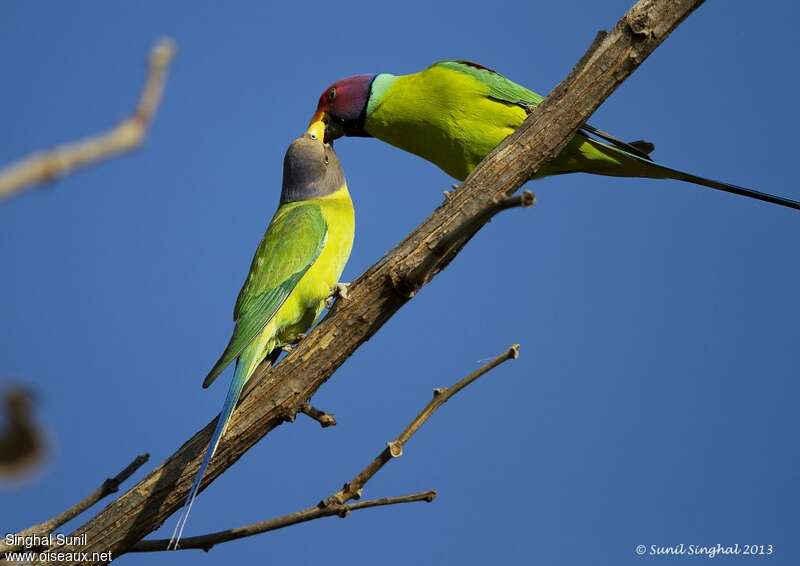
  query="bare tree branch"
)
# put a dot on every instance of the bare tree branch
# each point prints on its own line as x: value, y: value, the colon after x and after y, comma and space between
x: 207, y: 542
x: 109, y: 486
x: 324, y: 419
x: 127, y: 135
x: 336, y: 504
x: 459, y: 236
x: 387, y: 286
x: 394, y: 449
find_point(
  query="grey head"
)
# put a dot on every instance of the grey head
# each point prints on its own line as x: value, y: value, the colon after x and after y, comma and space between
x: 310, y: 170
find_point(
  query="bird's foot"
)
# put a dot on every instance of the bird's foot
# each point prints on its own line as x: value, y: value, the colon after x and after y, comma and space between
x: 339, y: 291
x: 289, y: 347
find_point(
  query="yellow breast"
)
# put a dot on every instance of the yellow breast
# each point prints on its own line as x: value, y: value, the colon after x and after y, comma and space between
x: 307, y: 300
x: 444, y: 117
x: 337, y: 209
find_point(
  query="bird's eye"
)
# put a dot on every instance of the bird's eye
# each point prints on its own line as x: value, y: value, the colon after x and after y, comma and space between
x: 332, y: 94
x: 326, y: 159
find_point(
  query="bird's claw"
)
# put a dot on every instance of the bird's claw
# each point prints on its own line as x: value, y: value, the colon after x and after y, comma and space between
x: 338, y: 291
x: 289, y: 347
x: 341, y: 290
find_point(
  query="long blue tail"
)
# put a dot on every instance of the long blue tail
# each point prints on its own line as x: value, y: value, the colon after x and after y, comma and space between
x: 243, y: 370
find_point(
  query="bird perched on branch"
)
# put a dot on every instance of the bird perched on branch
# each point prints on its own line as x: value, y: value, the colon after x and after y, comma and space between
x: 455, y: 112
x: 294, y: 271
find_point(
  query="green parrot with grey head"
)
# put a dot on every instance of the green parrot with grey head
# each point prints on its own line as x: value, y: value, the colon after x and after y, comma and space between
x: 293, y: 273
x: 455, y: 112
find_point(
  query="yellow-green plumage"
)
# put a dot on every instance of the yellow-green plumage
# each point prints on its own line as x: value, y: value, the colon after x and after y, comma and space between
x: 306, y: 301
x: 457, y: 135
x: 462, y: 122
x: 293, y: 272
x: 454, y: 113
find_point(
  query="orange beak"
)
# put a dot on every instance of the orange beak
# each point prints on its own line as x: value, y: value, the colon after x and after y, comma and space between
x: 316, y: 127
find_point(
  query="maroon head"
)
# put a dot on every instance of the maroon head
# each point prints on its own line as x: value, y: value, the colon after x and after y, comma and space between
x: 342, y: 108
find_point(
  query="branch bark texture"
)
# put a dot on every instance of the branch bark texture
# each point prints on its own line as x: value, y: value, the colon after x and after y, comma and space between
x: 337, y: 504
x: 394, y: 279
x: 109, y: 486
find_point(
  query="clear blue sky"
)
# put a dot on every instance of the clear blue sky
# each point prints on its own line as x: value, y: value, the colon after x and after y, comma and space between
x: 655, y: 401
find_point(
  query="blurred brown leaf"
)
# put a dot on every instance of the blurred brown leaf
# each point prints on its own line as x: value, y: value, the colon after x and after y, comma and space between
x: 21, y: 439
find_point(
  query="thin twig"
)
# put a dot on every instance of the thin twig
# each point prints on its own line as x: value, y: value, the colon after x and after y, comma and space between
x: 324, y: 419
x: 394, y: 449
x: 337, y: 504
x: 129, y: 134
x: 109, y: 486
x: 206, y: 542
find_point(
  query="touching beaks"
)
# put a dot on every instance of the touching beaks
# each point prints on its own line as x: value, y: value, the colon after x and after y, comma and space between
x: 316, y: 127
x: 323, y: 127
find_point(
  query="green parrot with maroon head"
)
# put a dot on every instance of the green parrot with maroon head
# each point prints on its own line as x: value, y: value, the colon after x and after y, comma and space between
x: 455, y: 112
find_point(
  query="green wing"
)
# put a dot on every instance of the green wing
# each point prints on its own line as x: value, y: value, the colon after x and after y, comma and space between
x: 293, y: 241
x: 505, y: 90
x: 500, y: 88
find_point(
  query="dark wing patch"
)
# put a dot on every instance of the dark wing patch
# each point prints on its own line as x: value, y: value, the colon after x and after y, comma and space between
x: 643, y: 146
x: 476, y: 65
x: 639, y: 148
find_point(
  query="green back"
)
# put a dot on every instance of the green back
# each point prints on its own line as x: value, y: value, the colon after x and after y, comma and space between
x: 505, y: 90
x: 291, y: 245
x: 499, y: 87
